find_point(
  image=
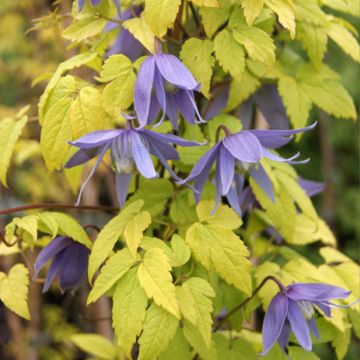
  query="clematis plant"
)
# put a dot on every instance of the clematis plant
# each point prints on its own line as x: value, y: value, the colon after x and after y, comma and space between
x: 239, y: 153
x: 173, y: 86
x: 130, y: 150
x: 69, y: 263
x: 293, y: 309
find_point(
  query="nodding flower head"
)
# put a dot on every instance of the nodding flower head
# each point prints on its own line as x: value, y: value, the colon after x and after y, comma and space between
x: 165, y: 83
x: 241, y: 153
x: 69, y: 263
x: 293, y: 309
x: 130, y: 151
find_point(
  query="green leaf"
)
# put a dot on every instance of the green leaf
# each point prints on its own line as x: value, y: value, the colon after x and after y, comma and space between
x: 347, y: 6
x: 109, y: 236
x: 213, y: 18
x: 115, y: 268
x: 178, y: 348
x: 134, y: 229
x: 341, y: 344
x: 10, y: 131
x: 129, y: 310
x: 195, y: 303
x: 345, y: 39
x: 296, y: 101
x: 155, y: 278
x: 234, y: 349
x: 218, y: 248
x: 95, y: 345
x: 252, y: 9
x: 208, y: 3
x: 161, y: 15
x: 141, y: 31
x: 180, y: 251
x: 118, y: 94
x: 226, y: 50
x: 297, y: 353
x: 285, y: 12
x: 196, y: 55
x: 28, y: 225
x: 159, y: 328
x: 14, y: 289
x: 309, y: 12
x: 258, y: 43
x: 68, y: 226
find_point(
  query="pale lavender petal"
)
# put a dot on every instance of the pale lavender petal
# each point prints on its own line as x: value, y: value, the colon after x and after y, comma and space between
x: 277, y: 138
x: 154, y: 109
x: 141, y: 155
x: 58, y: 244
x: 311, y: 188
x: 168, y: 151
x: 261, y: 178
x: 218, y: 102
x: 53, y: 270
x: 185, y: 106
x: 218, y: 186
x: 74, y: 267
x: 244, y: 146
x: 246, y: 114
x: 92, y: 172
x: 268, y: 154
x: 233, y: 199
x: 96, y: 138
x: 201, y: 179
x: 175, y: 72
x: 122, y: 187
x: 160, y: 94
x: 207, y: 159
x: 82, y: 156
x: 143, y: 89
x: 283, y: 339
x: 274, y: 321
x: 226, y: 166
x: 316, y: 292
x: 171, y: 110
x: 324, y: 307
x: 169, y: 138
x: 191, y: 97
x: 299, y: 326
x: 313, y: 328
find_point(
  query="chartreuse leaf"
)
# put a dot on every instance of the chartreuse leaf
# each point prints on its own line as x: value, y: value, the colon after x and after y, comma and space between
x: 341, y: 343
x: 10, y: 131
x: 115, y: 268
x: 285, y: 12
x: 298, y: 353
x: 194, y: 297
x: 14, y: 289
x: 28, y: 226
x: 118, y: 93
x: 95, y: 345
x: 347, y: 6
x: 134, y: 229
x: 229, y: 53
x: 155, y: 278
x: 258, y: 43
x: 309, y: 12
x: 207, y: 3
x: 216, y: 247
x: 178, y: 348
x: 234, y: 349
x: 141, y: 31
x: 159, y: 328
x: 161, y: 15
x: 196, y: 55
x: 109, y: 236
x: 252, y: 9
x: 345, y: 39
x: 129, y: 310
x: 213, y: 18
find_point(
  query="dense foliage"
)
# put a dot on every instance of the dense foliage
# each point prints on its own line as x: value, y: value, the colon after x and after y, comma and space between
x: 153, y: 177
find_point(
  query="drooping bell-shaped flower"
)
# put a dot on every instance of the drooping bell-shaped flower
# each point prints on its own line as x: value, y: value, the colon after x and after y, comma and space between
x: 69, y: 263
x: 130, y: 151
x: 241, y: 153
x: 292, y: 309
x: 165, y: 83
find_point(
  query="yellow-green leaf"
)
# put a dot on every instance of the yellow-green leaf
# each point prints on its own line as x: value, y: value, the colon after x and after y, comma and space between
x: 196, y: 55
x: 10, y: 131
x: 14, y: 289
x: 285, y: 12
x: 116, y: 267
x: 252, y: 9
x: 155, y: 278
x: 129, y: 310
x: 229, y: 53
x: 159, y: 328
x: 161, y: 15
x: 109, y: 236
x: 212, y: 18
x: 180, y: 251
x: 207, y: 3
x: 178, y: 348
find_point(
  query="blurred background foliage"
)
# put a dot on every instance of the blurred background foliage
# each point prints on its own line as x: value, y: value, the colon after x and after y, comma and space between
x: 27, y: 58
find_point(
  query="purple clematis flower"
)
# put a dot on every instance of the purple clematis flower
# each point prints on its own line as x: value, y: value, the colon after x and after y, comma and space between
x: 293, y: 310
x: 125, y: 42
x: 69, y: 263
x: 241, y: 152
x: 174, y: 87
x: 130, y: 150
